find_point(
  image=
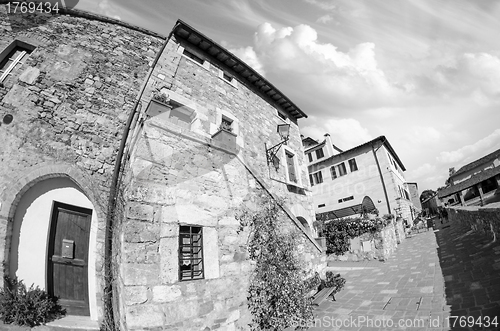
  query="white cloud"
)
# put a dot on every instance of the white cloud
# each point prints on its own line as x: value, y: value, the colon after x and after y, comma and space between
x: 106, y: 8
x: 320, y: 70
x: 424, y: 135
x: 247, y: 55
x: 345, y: 133
x: 470, y: 75
x: 325, y: 19
x: 471, y: 152
x: 424, y: 170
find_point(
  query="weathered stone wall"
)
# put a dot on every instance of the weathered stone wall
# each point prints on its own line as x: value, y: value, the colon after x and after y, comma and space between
x: 368, y: 246
x: 399, y: 229
x: 69, y: 103
x: 485, y: 220
x: 184, y: 174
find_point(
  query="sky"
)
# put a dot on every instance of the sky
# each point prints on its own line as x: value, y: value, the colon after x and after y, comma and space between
x: 423, y: 73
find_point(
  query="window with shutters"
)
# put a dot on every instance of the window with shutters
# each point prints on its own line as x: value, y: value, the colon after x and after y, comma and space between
x: 319, y: 153
x: 318, y: 177
x: 13, y: 57
x: 333, y: 172
x: 352, y: 165
x: 310, y: 157
x: 190, y: 252
x: 342, y: 169
x: 291, y: 170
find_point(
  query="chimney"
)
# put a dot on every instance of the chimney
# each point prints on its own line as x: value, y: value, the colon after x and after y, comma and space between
x: 329, y: 151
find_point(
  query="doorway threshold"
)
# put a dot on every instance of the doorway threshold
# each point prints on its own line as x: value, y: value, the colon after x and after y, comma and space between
x: 72, y: 322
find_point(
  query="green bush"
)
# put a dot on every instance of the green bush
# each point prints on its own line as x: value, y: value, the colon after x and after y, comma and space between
x: 277, y: 295
x: 338, y: 232
x: 29, y: 307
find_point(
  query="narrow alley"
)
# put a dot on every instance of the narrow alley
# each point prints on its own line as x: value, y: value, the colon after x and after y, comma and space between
x: 446, y: 279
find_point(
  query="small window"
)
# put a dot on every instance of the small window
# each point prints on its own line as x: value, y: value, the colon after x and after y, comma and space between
x: 333, y: 173
x: 352, y: 165
x: 193, y: 57
x: 226, y: 124
x: 346, y: 199
x: 318, y: 177
x: 342, y: 169
x: 319, y: 153
x: 322, y: 205
x: 227, y: 77
x: 190, y: 253
x: 13, y: 58
x: 311, y: 180
x: 290, y: 163
x: 281, y: 115
x: 310, y: 157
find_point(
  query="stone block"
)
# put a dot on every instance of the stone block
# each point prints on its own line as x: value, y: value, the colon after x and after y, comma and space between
x: 140, y: 274
x: 135, y: 295
x: 17, y: 96
x: 165, y: 293
x: 169, y: 260
x: 29, y: 75
x: 140, y: 211
x: 144, y: 316
x: 169, y: 230
x: 211, y: 252
x: 137, y: 231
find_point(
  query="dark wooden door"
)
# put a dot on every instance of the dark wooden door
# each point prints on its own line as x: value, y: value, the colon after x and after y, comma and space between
x: 68, y: 251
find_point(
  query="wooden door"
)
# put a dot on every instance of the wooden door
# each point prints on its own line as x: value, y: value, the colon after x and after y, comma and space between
x: 67, y: 268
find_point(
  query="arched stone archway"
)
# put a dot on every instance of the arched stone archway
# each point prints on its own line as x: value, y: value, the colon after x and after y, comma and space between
x: 304, y: 223
x: 26, y: 217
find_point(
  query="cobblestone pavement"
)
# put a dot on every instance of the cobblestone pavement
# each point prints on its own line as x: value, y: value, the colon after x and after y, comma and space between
x: 448, y: 279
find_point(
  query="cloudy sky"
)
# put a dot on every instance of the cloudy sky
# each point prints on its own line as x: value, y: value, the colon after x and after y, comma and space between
x: 424, y: 73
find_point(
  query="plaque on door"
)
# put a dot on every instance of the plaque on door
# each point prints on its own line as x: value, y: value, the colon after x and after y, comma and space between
x: 68, y: 248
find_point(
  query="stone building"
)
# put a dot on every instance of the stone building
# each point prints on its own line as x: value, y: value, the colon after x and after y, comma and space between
x: 414, y: 195
x: 369, y: 176
x: 476, y: 183
x: 126, y: 156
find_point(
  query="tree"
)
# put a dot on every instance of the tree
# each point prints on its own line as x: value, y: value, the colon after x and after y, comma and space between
x: 426, y: 195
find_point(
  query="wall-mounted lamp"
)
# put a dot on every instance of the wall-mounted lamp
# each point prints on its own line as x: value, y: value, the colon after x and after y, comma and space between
x: 284, y: 132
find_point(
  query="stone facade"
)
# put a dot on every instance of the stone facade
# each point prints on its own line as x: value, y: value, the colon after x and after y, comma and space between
x: 70, y: 101
x: 193, y: 173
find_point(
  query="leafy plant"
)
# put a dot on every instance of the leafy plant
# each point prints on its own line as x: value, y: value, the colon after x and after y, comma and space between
x: 26, y: 306
x: 339, y: 232
x: 277, y: 294
x: 332, y: 280
x: 161, y: 97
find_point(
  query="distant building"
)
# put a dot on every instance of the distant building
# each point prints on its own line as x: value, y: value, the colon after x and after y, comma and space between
x: 368, y: 176
x: 431, y: 205
x: 414, y: 195
x: 476, y: 183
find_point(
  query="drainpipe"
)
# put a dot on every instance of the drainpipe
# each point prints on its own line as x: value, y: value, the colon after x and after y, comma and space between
x: 381, y: 176
x: 108, y: 240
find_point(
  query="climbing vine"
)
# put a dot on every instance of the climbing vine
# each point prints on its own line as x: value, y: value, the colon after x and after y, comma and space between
x: 277, y: 295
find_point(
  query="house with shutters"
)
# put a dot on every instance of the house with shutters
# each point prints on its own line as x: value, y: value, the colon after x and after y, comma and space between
x: 126, y: 156
x: 476, y: 183
x: 367, y: 177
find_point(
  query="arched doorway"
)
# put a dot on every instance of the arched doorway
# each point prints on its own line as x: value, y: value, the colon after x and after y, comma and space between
x: 53, y: 243
x: 304, y: 224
